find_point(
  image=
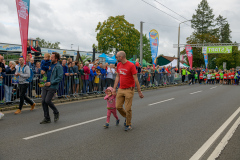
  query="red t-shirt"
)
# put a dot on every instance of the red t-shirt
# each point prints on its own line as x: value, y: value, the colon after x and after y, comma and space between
x: 225, y: 76
x: 201, y: 76
x: 232, y: 75
x: 126, y: 72
x: 217, y: 76
x: 229, y: 75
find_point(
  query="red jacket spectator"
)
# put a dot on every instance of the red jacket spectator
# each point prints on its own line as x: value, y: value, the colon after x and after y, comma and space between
x: 168, y: 70
x: 86, y: 71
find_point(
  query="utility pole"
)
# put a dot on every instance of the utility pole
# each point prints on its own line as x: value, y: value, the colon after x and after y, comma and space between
x: 178, y: 44
x: 93, y: 55
x: 141, y: 42
x: 178, y: 48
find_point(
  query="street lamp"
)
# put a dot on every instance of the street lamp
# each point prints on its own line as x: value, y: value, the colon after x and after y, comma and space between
x: 179, y: 42
x: 71, y: 46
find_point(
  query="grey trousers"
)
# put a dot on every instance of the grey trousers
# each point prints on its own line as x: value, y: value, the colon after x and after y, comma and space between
x: 47, y: 95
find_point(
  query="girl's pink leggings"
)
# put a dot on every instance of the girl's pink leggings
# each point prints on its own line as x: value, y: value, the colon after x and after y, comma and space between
x: 114, y: 112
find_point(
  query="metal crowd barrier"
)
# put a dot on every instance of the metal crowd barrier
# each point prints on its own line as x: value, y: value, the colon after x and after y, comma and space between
x: 74, y: 85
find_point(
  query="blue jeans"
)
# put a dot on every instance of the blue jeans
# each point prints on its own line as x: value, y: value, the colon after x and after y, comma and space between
x: 61, y: 88
x: 85, y: 86
x: 8, y: 93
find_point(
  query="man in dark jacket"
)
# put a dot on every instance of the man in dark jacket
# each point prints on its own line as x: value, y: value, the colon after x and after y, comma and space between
x: 191, y: 77
x: 54, y: 77
x: 37, y: 48
x: 63, y: 88
x: 8, y: 87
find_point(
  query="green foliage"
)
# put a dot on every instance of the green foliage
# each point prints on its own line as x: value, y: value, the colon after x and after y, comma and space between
x: 116, y: 32
x: 232, y: 59
x: 85, y: 58
x: 46, y: 44
x: 95, y: 46
x: 11, y: 57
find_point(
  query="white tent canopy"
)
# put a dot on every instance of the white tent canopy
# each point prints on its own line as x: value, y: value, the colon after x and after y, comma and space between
x: 174, y: 64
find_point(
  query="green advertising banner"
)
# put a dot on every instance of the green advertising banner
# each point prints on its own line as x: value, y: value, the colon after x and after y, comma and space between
x: 217, y: 49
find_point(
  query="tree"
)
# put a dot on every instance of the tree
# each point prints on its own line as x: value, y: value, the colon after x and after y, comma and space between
x: 116, y: 32
x: 95, y: 46
x: 224, y: 32
x: 85, y: 58
x: 147, y: 54
x: 46, y: 44
x: 203, y: 24
x: 203, y: 21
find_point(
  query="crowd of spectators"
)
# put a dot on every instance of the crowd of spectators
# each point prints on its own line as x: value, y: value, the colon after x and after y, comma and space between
x: 78, y: 78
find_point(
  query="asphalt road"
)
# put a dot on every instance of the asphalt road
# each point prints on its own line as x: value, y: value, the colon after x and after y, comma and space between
x: 168, y: 124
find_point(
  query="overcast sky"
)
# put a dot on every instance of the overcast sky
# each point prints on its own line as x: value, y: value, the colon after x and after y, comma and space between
x: 74, y: 21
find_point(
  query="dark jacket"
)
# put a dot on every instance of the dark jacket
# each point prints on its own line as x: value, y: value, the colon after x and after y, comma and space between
x: 103, y: 73
x: 32, y: 66
x: 75, y: 69
x: 39, y: 51
x: 138, y: 69
x: 37, y: 48
x: 45, y: 65
x: 8, y: 76
x: 92, y: 74
x: 56, y: 76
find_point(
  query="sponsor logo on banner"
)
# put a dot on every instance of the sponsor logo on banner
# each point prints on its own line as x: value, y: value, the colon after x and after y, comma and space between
x: 154, y: 40
x: 23, y: 19
x: 204, y: 49
x: 189, y: 52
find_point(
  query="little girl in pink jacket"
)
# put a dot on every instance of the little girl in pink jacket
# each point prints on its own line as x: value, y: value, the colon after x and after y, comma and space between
x: 111, y: 106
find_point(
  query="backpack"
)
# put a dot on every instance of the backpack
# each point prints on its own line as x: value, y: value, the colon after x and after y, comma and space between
x: 31, y: 73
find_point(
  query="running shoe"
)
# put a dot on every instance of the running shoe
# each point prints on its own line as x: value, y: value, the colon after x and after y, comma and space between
x: 117, y: 122
x: 128, y: 128
x: 106, y: 125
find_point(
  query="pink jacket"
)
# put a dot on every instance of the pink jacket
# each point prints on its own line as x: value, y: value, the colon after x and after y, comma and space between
x: 86, y: 70
x: 111, y: 101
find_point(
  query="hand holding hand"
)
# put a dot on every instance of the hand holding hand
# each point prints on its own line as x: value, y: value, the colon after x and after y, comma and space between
x: 114, y: 91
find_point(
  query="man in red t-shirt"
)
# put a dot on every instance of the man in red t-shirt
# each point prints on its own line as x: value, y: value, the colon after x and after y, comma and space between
x: 127, y: 74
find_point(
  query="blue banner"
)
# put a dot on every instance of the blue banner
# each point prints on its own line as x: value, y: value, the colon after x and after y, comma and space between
x: 204, y: 51
x: 154, y: 40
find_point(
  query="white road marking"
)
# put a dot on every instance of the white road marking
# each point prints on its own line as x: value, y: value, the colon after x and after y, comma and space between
x: 213, y: 87
x: 162, y: 101
x: 64, y: 128
x: 196, y: 92
x: 224, y: 141
x: 214, y: 137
